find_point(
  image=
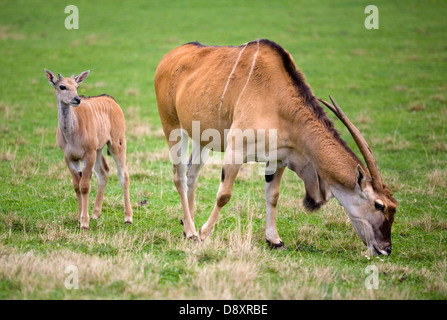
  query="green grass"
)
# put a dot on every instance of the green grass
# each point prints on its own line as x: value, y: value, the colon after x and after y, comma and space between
x: 391, y: 82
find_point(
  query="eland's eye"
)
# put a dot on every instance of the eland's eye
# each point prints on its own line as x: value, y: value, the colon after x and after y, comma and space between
x: 379, y: 205
x: 62, y: 87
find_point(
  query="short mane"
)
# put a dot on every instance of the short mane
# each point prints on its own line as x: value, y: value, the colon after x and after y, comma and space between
x: 306, y: 93
x: 101, y: 95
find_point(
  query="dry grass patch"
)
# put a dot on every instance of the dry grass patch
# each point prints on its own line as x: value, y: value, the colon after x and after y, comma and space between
x: 140, y: 159
x: 132, y: 92
x: 35, y: 275
x: 417, y: 106
x: 8, y: 153
x: 358, y: 52
x: 438, y: 97
x: 439, y: 146
x: 59, y: 170
x: 6, y: 33
x: 91, y: 39
x: 428, y: 223
x: 228, y: 280
x: 414, y: 57
x: 393, y: 142
x: 363, y: 119
x: 24, y: 168
x: 394, y: 182
x: 437, y: 178
x: 400, y: 88
x: 137, y: 128
x: 10, y: 113
x: 438, y: 274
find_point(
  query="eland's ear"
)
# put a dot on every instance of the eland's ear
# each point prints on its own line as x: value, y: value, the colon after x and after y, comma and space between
x: 360, y: 178
x: 82, y: 76
x: 51, y: 77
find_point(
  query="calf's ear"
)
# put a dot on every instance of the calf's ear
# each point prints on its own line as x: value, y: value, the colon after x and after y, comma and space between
x: 51, y: 77
x: 82, y: 76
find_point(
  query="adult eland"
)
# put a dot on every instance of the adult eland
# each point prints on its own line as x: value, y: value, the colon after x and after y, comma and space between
x: 256, y: 87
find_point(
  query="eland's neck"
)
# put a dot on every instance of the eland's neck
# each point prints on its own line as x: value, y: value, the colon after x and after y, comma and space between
x: 334, y: 160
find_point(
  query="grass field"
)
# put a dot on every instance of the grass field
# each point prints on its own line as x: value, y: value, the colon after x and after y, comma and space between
x: 391, y: 82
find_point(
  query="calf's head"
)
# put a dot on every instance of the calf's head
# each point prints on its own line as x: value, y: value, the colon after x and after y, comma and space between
x: 67, y: 88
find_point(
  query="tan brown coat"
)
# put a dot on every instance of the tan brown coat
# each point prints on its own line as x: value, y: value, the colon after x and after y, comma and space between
x: 257, y: 86
x: 85, y: 126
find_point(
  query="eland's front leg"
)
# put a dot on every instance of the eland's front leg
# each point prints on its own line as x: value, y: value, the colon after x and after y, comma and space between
x: 229, y: 173
x: 272, y: 183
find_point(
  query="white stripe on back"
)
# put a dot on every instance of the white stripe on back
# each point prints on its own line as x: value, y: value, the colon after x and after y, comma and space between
x: 249, y: 74
x: 229, y: 77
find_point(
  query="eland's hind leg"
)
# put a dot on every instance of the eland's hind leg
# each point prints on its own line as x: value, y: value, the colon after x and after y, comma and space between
x: 197, y: 160
x: 102, y: 171
x: 178, y: 148
x: 118, y: 152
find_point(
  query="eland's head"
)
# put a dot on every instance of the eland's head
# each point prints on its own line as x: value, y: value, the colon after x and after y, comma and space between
x: 370, y: 205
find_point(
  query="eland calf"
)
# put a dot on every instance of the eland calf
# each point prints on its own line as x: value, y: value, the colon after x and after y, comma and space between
x: 256, y: 87
x: 85, y: 126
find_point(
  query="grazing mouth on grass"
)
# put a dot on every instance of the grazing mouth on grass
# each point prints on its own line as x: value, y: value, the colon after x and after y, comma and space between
x: 378, y: 252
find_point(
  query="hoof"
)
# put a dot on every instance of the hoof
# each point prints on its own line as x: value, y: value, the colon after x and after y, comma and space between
x: 142, y: 203
x: 276, y: 246
x: 128, y: 220
x: 193, y: 237
x: 84, y: 228
x: 205, y: 234
x: 181, y: 222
